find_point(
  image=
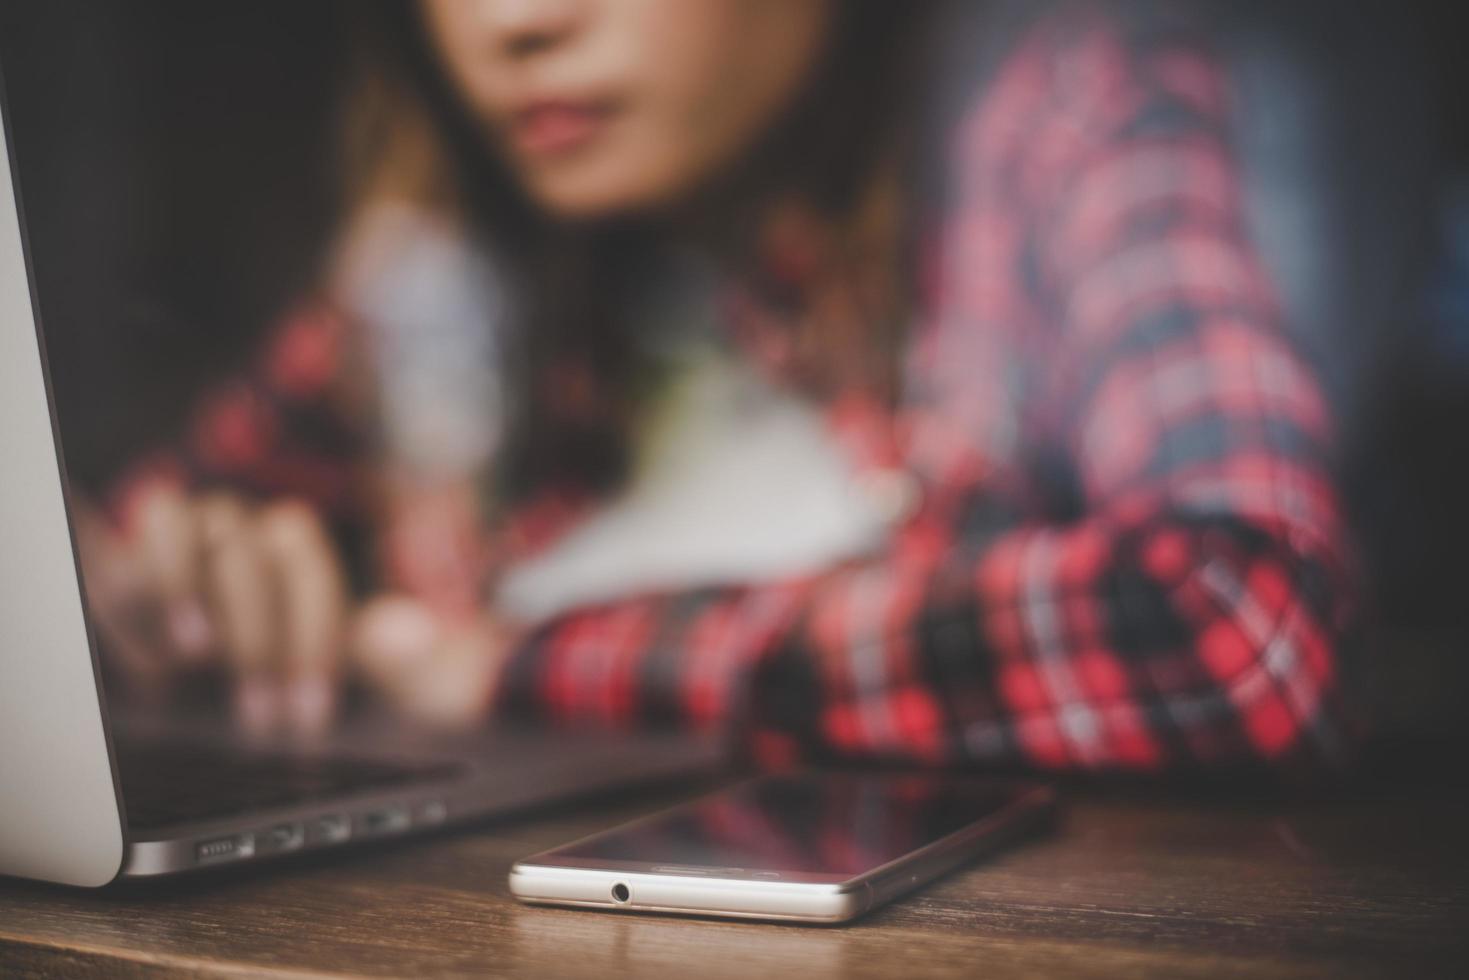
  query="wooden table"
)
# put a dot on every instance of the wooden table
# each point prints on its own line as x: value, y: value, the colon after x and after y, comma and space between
x: 1363, y: 882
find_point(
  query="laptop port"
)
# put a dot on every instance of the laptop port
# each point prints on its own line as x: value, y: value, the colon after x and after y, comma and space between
x: 284, y: 837
x: 331, y: 829
x: 388, y: 820
x: 220, y: 849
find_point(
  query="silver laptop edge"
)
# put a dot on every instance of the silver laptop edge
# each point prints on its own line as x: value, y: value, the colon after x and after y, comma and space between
x: 62, y: 817
x: 420, y: 806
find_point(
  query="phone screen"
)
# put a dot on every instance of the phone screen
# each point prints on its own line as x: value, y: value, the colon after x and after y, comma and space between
x: 839, y: 825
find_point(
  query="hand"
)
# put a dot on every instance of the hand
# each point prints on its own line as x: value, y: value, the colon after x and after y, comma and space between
x: 212, y: 580
x: 438, y: 669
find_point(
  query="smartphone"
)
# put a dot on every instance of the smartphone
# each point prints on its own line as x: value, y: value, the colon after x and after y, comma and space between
x: 805, y: 847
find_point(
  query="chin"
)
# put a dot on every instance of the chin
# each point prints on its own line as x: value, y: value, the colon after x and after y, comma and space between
x: 591, y: 192
x: 584, y: 205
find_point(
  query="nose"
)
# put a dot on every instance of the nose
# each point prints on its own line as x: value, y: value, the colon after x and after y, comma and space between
x: 524, y: 27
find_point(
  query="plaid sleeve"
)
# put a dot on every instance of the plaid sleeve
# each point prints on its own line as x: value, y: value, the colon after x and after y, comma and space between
x: 1190, y: 612
x: 275, y: 429
x: 1195, y: 613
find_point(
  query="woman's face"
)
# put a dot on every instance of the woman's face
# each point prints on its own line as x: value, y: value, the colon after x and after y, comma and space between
x: 606, y: 106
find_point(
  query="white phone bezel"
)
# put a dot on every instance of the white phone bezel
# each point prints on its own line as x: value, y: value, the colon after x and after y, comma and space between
x: 555, y: 878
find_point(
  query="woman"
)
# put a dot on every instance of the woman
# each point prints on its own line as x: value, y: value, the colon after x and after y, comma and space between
x: 1094, y: 526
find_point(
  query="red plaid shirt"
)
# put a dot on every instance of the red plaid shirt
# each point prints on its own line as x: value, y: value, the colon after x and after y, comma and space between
x: 1128, y: 552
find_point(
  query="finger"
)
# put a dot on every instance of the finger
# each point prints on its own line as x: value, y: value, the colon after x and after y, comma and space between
x: 311, y: 592
x: 219, y: 519
x: 433, y: 674
x: 241, y: 599
x: 393, y: 637
x: 114, y: 585
x: 167, y: 543
x: 458, y: 686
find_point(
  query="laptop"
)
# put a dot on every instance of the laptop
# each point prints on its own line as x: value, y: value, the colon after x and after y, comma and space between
x: 93, y: 790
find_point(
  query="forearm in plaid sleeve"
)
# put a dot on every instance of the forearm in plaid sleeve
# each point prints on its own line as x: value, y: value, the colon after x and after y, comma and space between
x: 1129, y: 641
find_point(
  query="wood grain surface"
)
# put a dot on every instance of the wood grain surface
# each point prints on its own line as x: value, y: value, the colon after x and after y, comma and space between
x: 1132, y: 883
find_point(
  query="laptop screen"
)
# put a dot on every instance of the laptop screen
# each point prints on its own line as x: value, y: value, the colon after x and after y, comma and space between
x: 451, y: 360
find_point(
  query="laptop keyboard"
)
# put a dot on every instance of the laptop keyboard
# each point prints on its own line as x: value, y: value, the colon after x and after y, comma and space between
x: 169, y: 782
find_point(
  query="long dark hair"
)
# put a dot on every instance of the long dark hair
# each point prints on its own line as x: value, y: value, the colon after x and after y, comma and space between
x: 574, y: 360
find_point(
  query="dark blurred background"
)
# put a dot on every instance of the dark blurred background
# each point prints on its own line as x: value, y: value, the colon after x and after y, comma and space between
x: 1353, y: 126
x: 128, y: 118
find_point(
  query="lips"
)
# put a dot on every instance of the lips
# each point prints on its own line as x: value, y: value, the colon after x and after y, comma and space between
x: 553, y: 127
